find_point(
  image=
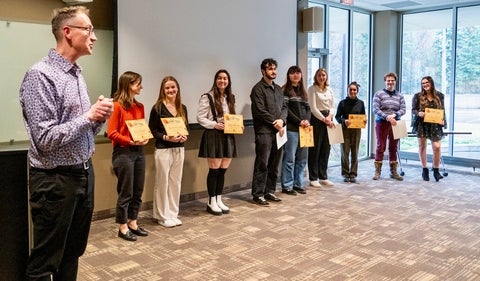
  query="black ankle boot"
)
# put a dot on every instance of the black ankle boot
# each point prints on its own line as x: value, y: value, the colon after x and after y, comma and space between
x: 436, y: 174
x: 425, y: 174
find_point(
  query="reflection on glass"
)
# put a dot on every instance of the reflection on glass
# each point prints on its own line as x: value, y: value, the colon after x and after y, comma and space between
x: 428, y: 39
x: 360, y: 64
x: 426, y: 50
x: 467, y: 84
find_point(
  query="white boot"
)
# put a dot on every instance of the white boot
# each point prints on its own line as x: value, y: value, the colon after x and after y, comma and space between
x: 222, y: 206
x: 212, y: 207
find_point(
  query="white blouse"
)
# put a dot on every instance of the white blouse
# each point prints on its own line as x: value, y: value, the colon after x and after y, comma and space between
x: 320, y: 101
x: 204, y: 113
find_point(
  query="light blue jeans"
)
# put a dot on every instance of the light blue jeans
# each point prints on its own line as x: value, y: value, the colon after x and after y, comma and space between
x: 294, y: 162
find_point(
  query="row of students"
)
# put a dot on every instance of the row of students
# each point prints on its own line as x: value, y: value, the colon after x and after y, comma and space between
x: 274, y: 109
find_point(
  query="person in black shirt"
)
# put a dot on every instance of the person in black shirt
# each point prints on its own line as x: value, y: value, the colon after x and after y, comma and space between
x: 269, y: 112
x: 351, y: 136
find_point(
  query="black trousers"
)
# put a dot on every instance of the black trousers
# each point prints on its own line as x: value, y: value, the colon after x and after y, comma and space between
x: 129, y: 167
x: 266, y: 167
x: 61, y: 201
x: 318, y: 155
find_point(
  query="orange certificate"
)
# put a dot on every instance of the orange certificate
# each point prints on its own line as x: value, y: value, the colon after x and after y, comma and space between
x: 306, y: 136
x: 357, y: 121
x: 139, y: 129
x: 433, y: 115
x: 174, y: 126
x: 233, y: 123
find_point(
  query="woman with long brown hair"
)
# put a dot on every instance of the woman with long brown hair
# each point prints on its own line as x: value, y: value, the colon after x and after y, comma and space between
x: 128, y: 157
x: 428, y: 97
x: 219, y: 148
x: 294, y: 156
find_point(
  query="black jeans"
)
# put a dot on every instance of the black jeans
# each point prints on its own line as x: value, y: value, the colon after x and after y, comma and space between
x: 61, y: 203
x: 266, y: 167
x: 129, y: 167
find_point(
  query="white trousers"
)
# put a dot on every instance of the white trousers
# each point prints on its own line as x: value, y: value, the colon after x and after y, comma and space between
x: 168, y: 182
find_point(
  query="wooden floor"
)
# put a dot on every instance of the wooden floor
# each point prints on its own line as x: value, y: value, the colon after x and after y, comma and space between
x: 370, y: 230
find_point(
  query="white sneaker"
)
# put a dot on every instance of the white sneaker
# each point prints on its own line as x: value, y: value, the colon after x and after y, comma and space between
x: 177, y: 221
x: 167, y: 223
x: 326, y: 183
x: 315, y: 184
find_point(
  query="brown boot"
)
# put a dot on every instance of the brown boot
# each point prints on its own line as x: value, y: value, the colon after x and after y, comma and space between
x: 393, y: 171
x: 378, y: 169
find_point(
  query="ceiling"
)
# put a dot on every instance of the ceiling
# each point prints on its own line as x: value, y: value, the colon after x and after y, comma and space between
x: 404, y: 5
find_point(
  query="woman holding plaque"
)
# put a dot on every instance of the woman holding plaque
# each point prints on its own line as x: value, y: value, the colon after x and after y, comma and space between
x: 428, y: 98
x: 218, y: 147
x: 321, y: 100
x: 169, y: 152
x: 295, y: 156
x: 128, y: 157
x: 347, y: 109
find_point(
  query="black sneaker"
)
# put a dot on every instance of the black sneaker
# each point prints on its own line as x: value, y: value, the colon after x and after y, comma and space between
x: 272, y: 197
x: 300, y: 190
x: 260, y: 201
x: 346, y: 179
x: 289, y: 191
x: 353, y: 180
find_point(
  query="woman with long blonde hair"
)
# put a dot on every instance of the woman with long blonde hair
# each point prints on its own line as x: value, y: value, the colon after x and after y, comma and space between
x: 169, y: 153
x: 321, y: 100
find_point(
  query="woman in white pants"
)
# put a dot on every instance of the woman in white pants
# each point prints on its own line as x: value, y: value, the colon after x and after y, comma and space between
x: 169, y: 153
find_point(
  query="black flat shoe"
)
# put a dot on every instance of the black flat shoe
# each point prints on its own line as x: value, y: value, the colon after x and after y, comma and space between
x: 129, y: 236
x: 139, y: 231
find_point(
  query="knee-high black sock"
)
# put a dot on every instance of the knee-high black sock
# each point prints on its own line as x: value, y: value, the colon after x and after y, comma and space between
x: 220, y: 181
x: 212, y: 179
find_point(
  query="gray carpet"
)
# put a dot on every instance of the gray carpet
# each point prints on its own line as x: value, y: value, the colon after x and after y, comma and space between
x: 370, y: 230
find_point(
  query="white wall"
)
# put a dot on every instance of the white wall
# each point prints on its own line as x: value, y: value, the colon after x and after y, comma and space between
x: 192, y: 39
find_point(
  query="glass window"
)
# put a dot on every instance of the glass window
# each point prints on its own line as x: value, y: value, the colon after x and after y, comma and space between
x: 426, y: 51
x: 338, y: 46
x: 316, y: 50
x: 467, y: 84
x: 360, y: 65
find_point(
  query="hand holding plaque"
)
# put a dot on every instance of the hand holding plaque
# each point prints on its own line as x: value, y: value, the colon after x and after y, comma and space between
x: 139, y: 129
x: 174, y: 126
x: 233, y: 124
x: 306, y: 136
x: 357, y: 121
x: 433, y: 115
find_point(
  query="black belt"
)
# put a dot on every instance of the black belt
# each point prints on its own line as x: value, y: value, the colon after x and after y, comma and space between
x: 65, y: 168
x: 131, y: 147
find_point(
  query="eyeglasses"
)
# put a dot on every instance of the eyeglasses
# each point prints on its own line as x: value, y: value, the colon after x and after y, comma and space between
x: 86, y: 28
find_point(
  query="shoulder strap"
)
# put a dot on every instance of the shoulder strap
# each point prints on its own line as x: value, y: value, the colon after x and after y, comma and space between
x: 212, y: 106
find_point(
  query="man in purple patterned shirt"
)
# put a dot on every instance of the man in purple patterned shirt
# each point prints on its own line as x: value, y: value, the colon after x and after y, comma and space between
x: 61, y: 124
x: 388, y: 107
